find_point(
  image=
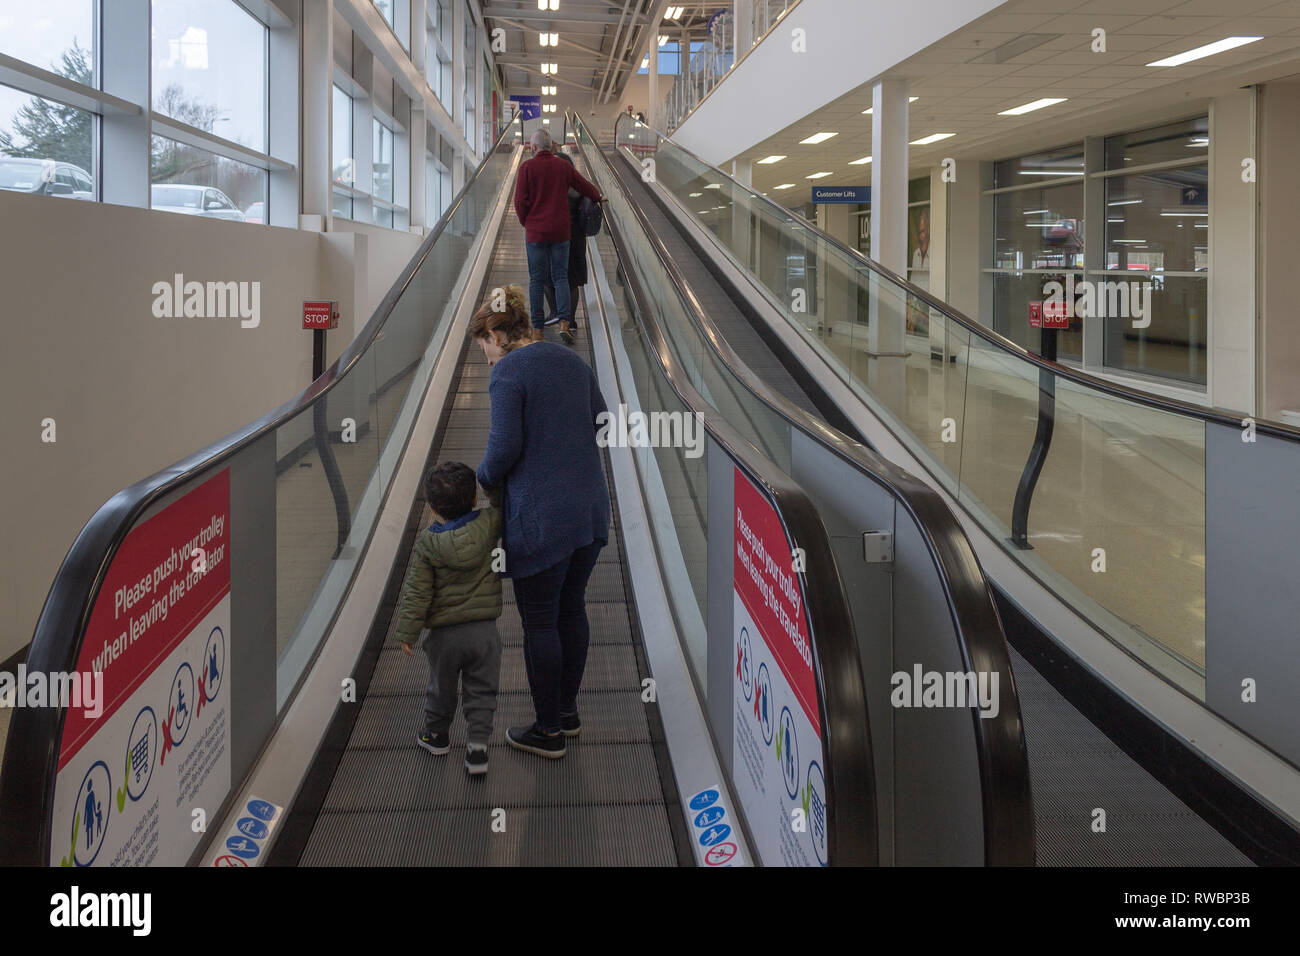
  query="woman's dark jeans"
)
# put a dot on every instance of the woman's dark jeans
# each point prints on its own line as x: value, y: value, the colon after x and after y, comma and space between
x: 553, y: 606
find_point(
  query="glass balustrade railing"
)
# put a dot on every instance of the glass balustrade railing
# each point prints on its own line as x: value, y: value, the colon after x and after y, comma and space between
x: 1116, y: 522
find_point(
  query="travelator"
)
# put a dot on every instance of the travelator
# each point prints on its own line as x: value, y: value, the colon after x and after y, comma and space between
x: 1142, y: 550
x: 766, y: 583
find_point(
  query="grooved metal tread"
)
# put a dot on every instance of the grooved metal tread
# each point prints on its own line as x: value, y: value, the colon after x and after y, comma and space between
x: 391, y: 803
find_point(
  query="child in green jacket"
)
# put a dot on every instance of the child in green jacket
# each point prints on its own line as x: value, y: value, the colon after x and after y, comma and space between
x: 452, y: 589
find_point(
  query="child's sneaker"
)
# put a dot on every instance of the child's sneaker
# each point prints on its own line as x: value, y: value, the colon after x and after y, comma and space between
x: 476, y: 759
x: 571, y: 724
x: 436, y: 744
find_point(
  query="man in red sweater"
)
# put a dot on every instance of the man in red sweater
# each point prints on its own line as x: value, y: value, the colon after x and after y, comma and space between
x: 542, y: 205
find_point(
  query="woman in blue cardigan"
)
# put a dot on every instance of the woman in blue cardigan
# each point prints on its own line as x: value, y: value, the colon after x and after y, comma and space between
x: 542, y: 454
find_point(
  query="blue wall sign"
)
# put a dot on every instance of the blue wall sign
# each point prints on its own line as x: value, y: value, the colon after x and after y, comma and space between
x: 848, y: 194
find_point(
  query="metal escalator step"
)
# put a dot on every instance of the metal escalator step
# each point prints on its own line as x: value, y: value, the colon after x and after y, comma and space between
x: 391, y: 722
x: 610, y: 667
x: 412, y: 779
x: 630, y: 834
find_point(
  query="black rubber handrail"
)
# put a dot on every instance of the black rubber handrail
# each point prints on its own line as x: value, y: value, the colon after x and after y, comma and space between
x: 31, y: 751
x: 1004, y: 766
x: 852, y: 837
x: 1171, y: 406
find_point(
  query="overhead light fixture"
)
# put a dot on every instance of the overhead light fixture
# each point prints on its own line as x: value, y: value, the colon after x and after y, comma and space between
x: 769, y: 160
x: 1129, y: 242
x: 1037, y: 212
x: 546, y: 122
x: 816, y: 138
x: 1035, y: 105
x: 860, y: 162
x: 663, y: 38
x: 910, y: 100
x: 784, y: 186
x: 817, y: 176
x: 645, y: 63
x: 1219, y: 46
x: 696, y: 195
x: 548, y: 39
x: 673, y: 13
x: 543, y: 4
x: 713, y: 186
x: 1124, y: 202
x: 932, y: 138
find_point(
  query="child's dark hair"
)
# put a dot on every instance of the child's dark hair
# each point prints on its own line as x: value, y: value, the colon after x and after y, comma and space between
x: 451, y: 489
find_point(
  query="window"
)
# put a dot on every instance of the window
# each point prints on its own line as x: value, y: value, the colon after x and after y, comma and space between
x: 1038, y: 238
x: 470, y: 37
x: 209, y: 68
x: 56, y: 35
x: 397, y: 14
x: 36, y: 134
x: 196, y: 182
x: 341, y: 162
x: 383, y: 162
x: 1157, y: 229
x: 46, y: 148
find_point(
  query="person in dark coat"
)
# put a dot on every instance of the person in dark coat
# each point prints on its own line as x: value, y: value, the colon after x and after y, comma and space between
x: 577, y: 263
x: 543, y: 455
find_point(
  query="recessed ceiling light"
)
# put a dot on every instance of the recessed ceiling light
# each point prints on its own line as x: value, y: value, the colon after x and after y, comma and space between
x: 713, y: 186
x: 910, y: 99
x: 817, y: 176
x: 932, y: 138
x: 1124, y: 202
x: 673, y: 13
x: 817, y: 138
x: 861, y: 162
x: 1227, y: 43
x: 1128, y: 241
x: 768, y: 160
x: 784, y: 186
x: 696, y: 195
x: 1035, y: 105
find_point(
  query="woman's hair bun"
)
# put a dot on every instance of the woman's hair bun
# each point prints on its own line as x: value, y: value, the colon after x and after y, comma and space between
x: 515, y: 298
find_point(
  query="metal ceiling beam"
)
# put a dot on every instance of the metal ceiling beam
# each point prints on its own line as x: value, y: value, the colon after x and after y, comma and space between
x: 497, y: 12
x: 580, y: 60
x: 564, y: 41
x: 613, y: 48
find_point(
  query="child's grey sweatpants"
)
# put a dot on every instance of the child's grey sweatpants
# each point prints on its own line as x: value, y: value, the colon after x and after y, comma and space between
x: 472, y: 653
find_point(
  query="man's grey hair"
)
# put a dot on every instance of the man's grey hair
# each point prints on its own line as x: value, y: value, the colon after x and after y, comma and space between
x: 541, y: 141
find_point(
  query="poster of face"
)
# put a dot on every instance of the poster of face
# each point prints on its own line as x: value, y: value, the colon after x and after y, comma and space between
x: 918, y: 273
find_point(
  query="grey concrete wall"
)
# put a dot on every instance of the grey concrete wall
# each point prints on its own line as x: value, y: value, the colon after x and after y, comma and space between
x: 131, y: 393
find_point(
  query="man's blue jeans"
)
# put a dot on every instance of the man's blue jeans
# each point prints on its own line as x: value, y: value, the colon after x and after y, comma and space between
x: 548, y: 260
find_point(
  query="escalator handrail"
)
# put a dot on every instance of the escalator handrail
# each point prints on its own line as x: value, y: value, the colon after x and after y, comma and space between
x: 1161, y: 403
x: 31, y: 753
x: 1004, y: 768
x: 850, y: 767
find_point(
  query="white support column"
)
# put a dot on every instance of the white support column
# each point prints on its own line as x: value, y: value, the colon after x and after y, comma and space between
x: 889, y: 135
x: 419, y: 184
x: 124, y: 66
x: 363, y: 132
x: 284, y: 71
x: 419, y: 26
x: 742, y: 212
x: 1231, y: 295
x: 886, y: 333
x: 743, y: 13
x: 652, y: 94
x: 457, y: 108
x: 317, y: 110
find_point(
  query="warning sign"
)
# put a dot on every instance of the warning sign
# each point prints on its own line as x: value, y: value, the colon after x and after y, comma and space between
x: 131, y: 775
x: 777, y: 752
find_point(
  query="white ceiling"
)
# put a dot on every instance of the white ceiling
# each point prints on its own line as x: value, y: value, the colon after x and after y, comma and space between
x: 1106, y: 92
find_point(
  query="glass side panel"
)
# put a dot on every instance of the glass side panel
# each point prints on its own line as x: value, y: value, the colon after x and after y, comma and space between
x: 1119, y: 477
